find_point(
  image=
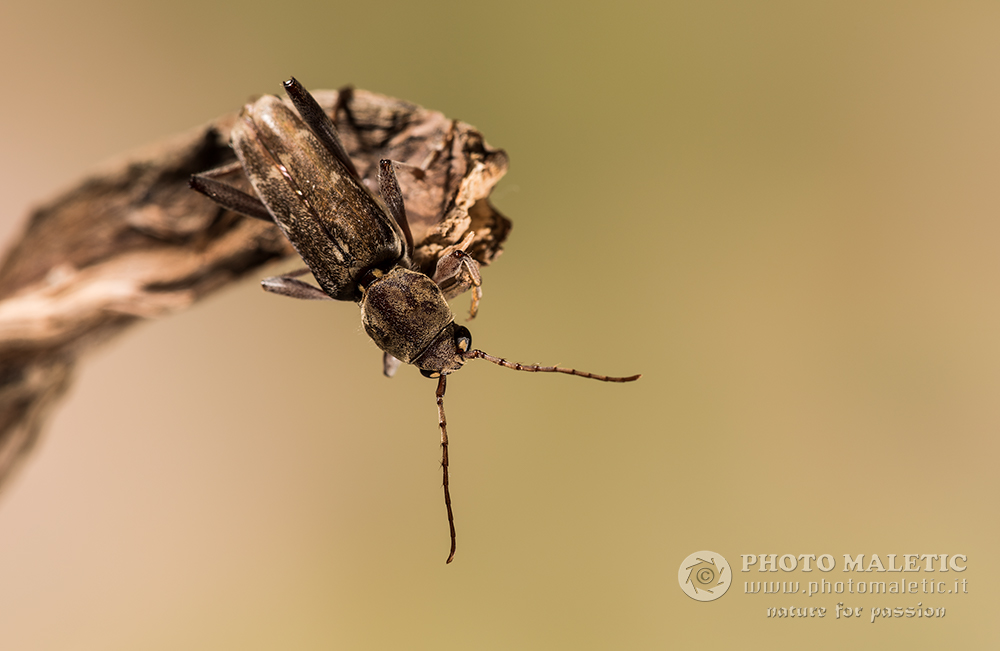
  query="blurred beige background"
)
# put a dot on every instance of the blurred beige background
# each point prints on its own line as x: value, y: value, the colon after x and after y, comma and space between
x: 783, y: 214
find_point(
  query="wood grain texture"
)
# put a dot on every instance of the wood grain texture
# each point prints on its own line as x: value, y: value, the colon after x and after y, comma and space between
x: 133, y: 242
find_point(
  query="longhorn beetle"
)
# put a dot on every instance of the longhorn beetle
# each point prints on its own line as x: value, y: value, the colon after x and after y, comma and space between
x: 357, y: 248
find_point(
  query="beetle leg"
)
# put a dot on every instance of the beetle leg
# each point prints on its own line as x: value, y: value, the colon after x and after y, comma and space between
x: 388, y: 187
x: 229, y: 197
x: 457, y: 272
x: 223, y: 170
x: 320, y: 123
x: 287, y: 285
x: 389, y: 364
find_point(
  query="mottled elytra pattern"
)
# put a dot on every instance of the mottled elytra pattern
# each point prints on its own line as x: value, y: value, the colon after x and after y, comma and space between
x: 331, y: 219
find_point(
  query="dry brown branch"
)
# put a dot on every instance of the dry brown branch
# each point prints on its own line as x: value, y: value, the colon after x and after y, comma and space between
x: 134, y: 242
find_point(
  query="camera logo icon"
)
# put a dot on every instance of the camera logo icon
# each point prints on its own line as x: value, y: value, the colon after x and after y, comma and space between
x: 705, y: 576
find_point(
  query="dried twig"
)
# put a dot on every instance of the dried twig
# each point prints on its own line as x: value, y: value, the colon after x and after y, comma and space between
x: 133, y: 242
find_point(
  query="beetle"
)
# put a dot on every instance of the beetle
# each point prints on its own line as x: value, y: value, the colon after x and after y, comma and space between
x: 357, y: 247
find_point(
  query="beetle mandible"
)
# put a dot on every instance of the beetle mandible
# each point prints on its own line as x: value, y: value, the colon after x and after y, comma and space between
x: 356, y: 247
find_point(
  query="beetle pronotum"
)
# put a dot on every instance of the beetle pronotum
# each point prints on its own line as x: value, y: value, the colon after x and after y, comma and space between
x: 357, y: 247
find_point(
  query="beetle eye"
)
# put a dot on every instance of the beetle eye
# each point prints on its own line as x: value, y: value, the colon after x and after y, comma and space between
x: 463, y: 339
x: 431, y: 374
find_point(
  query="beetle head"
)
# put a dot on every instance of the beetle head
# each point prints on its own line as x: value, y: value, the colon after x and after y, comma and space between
x: 446, y: 353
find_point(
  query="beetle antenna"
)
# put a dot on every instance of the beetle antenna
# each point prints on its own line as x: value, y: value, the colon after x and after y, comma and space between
x: 443, y: 424
x: 535, y: 368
